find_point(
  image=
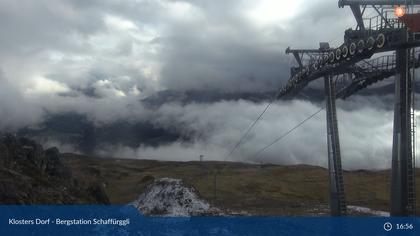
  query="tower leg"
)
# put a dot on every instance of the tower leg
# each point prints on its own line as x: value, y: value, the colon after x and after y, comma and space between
x: 337, y: 199
x: 402, y: 186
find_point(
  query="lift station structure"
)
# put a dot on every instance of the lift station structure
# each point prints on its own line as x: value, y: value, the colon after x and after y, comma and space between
x: 354, y: 65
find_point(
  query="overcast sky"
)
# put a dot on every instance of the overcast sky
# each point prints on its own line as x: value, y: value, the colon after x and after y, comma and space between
x: 100, y: 57
x: 125, y: 47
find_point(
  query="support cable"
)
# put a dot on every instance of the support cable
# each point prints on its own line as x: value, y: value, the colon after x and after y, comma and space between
x: 286, y: 133
x: 249, y: 129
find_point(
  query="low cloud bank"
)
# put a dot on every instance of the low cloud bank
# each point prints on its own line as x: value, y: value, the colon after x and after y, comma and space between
x: 365, y: 126
x: 365, y: 134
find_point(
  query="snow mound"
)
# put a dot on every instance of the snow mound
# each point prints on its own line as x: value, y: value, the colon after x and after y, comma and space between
x: 171, y: 197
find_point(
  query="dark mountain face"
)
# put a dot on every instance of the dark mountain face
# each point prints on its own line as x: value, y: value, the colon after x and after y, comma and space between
x: 314, y: 94
x: 203, y: 96
x: 80, y: 132
x: 77, y: 130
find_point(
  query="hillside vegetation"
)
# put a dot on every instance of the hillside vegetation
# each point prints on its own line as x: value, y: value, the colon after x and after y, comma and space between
x: 255, y: 189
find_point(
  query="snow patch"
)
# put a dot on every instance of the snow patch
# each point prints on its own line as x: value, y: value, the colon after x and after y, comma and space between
x: 368, y: 211
x: 171, y: 197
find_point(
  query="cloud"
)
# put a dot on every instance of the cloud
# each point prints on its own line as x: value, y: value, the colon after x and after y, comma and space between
x: 42, y: 85
x: 14, y: 110
x: 65, y: 51
x: 223, y: 45
x: 365, y: 134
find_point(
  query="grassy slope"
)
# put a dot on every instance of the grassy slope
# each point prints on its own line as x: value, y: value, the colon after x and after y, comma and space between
x: 268, y: 190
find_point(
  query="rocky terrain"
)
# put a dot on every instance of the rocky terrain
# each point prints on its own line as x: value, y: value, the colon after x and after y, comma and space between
x: 31, y: 175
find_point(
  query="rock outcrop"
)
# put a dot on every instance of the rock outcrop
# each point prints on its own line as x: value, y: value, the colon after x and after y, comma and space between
x: 31, y: 175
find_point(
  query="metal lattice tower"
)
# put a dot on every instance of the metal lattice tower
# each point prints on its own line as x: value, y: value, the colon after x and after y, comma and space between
x: 352, y: 71
x: 337, y: 196
x: 337, y: 199
x: 412, y: 195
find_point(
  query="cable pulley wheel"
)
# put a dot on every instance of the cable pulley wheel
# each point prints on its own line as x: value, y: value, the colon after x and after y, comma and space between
x: 380, y: 40
x: 344, y: 51
x: 360, y: 46
x: 325, y: 59
x: 337, y: 54
x: 331, y: 57
x: 320, y: 63
x: 370, y: 43
x: 352, y: 49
